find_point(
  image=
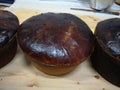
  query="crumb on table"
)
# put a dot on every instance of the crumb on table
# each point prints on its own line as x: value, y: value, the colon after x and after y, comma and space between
x: 78, y: 82
x: 103, y: 89
x: 97, y: 76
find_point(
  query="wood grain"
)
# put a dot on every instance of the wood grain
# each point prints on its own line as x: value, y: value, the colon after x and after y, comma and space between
x: 19, y: 74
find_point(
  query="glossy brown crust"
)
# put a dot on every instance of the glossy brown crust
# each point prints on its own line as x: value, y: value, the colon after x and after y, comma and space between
x: 108, y: 36
x: 8, y: 45
x: 8, y: 52
x: 8, y: 26
x: 104, y: 65
x: 56, y: 39
x: 106, y: 56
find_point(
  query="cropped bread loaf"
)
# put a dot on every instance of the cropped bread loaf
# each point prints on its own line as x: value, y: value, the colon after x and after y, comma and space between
x: 8, y: 44
x: 106, y: 56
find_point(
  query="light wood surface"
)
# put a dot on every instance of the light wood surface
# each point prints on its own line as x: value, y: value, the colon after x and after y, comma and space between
x: 19, y: 74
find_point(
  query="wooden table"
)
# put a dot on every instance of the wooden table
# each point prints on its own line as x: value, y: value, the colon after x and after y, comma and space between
x: 19, y: 74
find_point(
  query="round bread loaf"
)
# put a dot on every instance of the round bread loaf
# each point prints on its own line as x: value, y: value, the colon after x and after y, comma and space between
x: 106, y: 56
x: 8, y: 27
x: 55, y: 42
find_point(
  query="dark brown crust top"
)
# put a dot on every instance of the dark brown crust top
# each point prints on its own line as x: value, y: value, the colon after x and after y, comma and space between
x: 8, y: 26
x: 108, y: 36
x: 56, y: 39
